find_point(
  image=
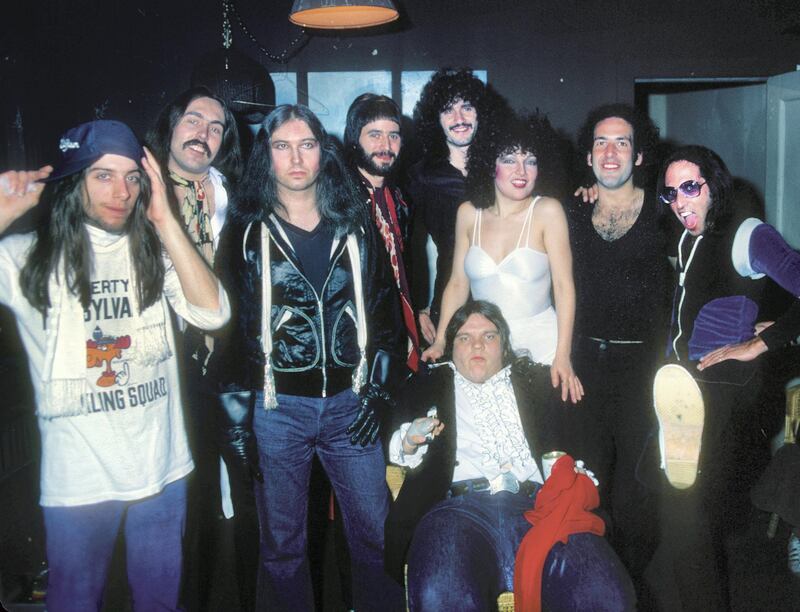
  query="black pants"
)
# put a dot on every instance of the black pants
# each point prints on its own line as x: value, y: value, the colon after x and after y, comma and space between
x: 203, y: 543
x: 609, y: 430
x: 202, y: 493
x: 696, y: 521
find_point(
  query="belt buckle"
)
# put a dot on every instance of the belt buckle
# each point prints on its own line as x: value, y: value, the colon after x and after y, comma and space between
x: 506, y: 481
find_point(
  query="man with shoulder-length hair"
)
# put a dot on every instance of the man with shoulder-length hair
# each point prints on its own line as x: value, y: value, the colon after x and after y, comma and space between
x: 195, y: 137
x: 474, y: 471
x: 372, y: 143
x: 314, y: 304
x: 91, y: 290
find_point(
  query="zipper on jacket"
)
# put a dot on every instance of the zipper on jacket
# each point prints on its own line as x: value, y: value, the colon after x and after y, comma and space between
x: 322, y: 322
x: 331, y: 264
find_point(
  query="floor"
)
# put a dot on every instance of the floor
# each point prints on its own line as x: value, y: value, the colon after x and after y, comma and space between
x: 760, y: 579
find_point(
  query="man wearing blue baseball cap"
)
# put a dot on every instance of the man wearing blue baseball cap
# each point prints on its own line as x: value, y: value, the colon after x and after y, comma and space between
x: 90, y: 289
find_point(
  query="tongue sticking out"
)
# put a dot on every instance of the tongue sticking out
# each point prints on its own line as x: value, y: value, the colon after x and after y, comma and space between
x: 690, y: 221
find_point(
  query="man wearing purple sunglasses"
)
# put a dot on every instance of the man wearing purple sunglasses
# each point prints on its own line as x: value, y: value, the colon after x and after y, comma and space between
x: 706, y: 398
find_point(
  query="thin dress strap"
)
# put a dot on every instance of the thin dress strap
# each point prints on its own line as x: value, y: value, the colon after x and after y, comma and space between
x: 527, y: 223
x: 476, y: 228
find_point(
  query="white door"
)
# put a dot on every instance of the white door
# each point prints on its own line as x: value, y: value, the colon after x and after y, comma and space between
x: 782, y: 192
x: 729, y: 118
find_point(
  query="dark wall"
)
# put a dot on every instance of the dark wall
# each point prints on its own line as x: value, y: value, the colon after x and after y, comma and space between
x: 65, y: 62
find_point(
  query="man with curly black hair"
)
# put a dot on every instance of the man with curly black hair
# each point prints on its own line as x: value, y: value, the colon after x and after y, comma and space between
x: 620, y: 270
x: 452, y: 105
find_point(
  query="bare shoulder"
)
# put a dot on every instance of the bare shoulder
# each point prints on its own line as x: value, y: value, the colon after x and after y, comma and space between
x: 548, y: 208
x: 466, y: 213
x: 466, y: 209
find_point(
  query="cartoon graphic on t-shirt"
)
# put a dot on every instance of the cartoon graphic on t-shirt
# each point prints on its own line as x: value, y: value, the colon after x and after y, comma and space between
x: 103, y: 350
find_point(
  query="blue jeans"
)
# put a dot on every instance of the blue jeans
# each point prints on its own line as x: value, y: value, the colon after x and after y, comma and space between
x: 462, y: 558
x: 288, y: 437
x: 80, y: 542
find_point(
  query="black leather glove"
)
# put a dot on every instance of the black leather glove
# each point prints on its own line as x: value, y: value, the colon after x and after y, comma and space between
x: 375, y: 402
x: 236, y: 438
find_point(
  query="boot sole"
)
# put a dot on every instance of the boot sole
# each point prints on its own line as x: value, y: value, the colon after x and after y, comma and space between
x: 681, y: 414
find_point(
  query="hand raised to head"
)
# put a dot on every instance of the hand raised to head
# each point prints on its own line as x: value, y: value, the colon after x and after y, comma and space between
x: 158, y: 210
x: 19, y: 192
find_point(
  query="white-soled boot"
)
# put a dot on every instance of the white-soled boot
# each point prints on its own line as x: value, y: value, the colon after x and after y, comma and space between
x: 681, y: 414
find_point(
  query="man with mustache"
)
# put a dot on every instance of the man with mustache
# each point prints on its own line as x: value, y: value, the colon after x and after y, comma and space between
x: 452, y: 105
x: 372, y: 141
x: 195, y: 138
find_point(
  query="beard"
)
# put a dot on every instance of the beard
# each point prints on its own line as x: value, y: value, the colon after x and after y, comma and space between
x: 370, y: 167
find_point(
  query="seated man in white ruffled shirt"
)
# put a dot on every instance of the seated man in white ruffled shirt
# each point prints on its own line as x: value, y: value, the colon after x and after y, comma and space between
x: 91, y: 289
x: 473, y: 457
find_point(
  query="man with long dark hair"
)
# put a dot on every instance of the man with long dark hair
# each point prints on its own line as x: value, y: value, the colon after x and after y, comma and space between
x: 453, y: 105
x: 91, y: 290
x: 706, y: 399
x: 372, y: 144
x: 196, y: 138
x: 314, y: 303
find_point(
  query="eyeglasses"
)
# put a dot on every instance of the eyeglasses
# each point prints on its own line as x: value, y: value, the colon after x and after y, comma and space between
x: 691, y: 189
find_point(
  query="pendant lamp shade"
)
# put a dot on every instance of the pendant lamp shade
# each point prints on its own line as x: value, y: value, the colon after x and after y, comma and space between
x: 342, y: 14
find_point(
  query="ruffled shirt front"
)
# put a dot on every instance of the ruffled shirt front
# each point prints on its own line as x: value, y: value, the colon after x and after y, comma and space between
x: 490, y: 439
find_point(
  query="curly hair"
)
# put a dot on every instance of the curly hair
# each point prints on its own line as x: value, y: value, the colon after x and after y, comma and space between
x: 446, y: 86
x: 645, y: 136
x: 717, y: 177
x: 531, y: 134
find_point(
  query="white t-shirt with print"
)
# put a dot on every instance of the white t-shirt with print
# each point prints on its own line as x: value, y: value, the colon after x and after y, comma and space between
x: 132, y: 442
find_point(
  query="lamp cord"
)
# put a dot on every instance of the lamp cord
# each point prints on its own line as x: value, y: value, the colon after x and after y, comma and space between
x: 281, y: 58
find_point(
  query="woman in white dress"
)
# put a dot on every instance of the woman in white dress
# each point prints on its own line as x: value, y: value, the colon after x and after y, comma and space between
x: 512, y: 246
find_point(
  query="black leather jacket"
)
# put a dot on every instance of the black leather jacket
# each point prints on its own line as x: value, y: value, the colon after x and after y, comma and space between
x: 314, y: 337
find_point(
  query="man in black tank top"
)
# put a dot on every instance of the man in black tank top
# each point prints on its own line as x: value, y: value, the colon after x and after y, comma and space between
x: 620, y: 269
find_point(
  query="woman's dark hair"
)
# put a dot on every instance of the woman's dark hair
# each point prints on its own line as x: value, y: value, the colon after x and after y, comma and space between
x: 62, y: 236
x: 645, y: 137
x: 445, y: 87
x: 366, y: 108
x: 490, y: 311
x: 717, y: 177
x: 339, y: 204
x: 229, y: 157
x: 531, y: 134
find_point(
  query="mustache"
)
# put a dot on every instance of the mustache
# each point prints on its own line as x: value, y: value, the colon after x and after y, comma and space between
x: 200, y: 143
x: 389, y: 154
x: 461, y: 125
